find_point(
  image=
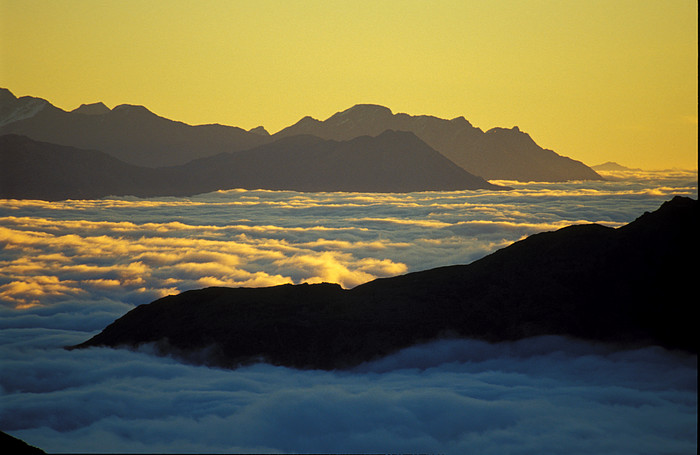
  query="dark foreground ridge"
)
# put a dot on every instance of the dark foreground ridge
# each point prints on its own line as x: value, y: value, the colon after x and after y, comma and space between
x: 15, y: 446
x: 632, y: 286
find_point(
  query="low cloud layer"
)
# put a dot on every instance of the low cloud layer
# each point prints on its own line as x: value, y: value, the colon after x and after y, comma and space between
x: 135, y: 250
x: 68, y: 269
x: 546, y: 395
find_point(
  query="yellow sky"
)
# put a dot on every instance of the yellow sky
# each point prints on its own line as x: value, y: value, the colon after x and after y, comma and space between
x: 593, y: 80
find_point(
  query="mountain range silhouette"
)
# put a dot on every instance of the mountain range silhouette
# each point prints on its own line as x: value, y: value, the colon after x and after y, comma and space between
x: 630, y: 287
x: 132, y: 134
x: 390, y: 162
x: 138, y: 137
x: 499, y: 153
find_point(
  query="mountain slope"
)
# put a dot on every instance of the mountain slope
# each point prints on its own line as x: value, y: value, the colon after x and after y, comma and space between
x: 39, y: 170
x: 130, y: 133
x: 503, y: 154
x: 13, y: 109
x: 17, y: 446
x: 390, y: 162
x: 630, y: 285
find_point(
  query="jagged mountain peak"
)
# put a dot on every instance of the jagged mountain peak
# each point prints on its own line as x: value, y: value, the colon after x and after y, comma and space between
x: 461, y: 121
x: 499, y: 129
x: 131, y: 108
x: 499, y: 153
x: 98, y: 108
x: 366, y: 108
x: 359, y: 120
x: 512, y: 135
x: 13, y: 109
x: 308, y: 120
x: 360, y: 114
x: 6, y: 94
x: 259, y: 130
x: 131, y: 133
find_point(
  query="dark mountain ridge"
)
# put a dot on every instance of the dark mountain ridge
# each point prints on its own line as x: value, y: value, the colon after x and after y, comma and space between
x: 391, y: 162
x: 499, y: 153
x: 137, y: 136
x: 13, y: 109
x: 39, y: 170
x: 630, y: 286
x: 16, y: 446
x: 132, y: 134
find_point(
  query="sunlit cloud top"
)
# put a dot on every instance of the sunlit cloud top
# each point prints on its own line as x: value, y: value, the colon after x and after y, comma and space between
x: 58, y: 252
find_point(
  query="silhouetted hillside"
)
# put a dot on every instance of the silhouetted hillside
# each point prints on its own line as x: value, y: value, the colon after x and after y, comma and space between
x: 137, y: 136
x: 130, y: 133
x: 39, y: 170
x: 631, y: 286
x: 15, y: 446
x: 499, y: 153
x: 392, y: 162
x: 91, y: 109
x: 13, y: 109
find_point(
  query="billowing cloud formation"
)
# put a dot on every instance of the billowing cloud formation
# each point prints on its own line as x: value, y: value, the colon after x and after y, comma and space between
x: 545, y: 395
x: 68, y: 269
x: 136, y: 250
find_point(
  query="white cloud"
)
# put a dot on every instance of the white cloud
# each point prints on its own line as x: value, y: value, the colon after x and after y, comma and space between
x: 534, y: 396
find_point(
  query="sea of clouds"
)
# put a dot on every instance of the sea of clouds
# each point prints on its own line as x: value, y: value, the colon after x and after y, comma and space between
x: 68, y: 269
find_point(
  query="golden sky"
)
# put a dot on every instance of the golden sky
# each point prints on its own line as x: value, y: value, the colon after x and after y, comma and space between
x: 593, y: 80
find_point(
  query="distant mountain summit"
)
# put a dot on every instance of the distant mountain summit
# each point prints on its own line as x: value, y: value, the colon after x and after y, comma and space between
x: 504, y: 154
x: 359, y: 120
x: 260, y: 130
x: 130, y: 133
x: 613, y: 166
x: 370, y: 120
x: 631, y: 287
x: 92, y: 109
x: 13, y: 109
